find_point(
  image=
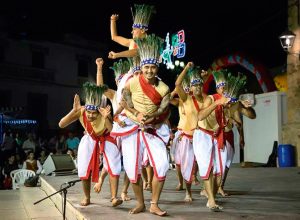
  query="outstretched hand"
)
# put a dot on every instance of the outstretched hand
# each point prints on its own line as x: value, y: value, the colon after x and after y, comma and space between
x: 105, y: 112
x: 76, y: 103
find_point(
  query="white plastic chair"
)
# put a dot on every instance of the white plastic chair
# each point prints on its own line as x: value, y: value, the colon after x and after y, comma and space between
x: 12, y: 173
x: 20, y: 176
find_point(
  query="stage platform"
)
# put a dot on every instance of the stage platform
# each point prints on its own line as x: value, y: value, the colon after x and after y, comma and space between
x: 256, y: 193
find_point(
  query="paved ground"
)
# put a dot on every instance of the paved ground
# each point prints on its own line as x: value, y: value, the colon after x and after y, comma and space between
x: 18, y: 205
x: 256, y: 193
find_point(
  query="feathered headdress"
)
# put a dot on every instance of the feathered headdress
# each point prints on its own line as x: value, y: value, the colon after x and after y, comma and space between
x: 120, y: 68
x: 142, y: 16
x: 233, y: 86
x: 194, y: 75
x: 220, y: 78
x: 186, y: 83
x: 93, y: 95
x: 149, y: 49
x: 135, y: 64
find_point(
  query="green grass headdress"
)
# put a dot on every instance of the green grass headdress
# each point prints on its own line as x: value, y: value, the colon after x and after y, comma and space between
x: 120, y: 68
x: 135, y: 63
x: 149, y: 49
x: 142, y: 16
x: 233, y: 86
x: 93, y: 95
x: 220, y: 77
x: 195, y: 77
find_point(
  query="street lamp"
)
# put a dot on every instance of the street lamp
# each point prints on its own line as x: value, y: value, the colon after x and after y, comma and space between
x: 287, y: 39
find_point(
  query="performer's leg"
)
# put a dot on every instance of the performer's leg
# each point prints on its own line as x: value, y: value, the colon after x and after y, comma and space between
x: 126, y: 183
x: 149, y: 170
x: 86, y: 185
x: 145, y: 177
x: 188, y: 192
x: 211, y: 187
x: 157, y: 187
x: 139, y: 195
x: 221, y: 188
x: 98, y: 186
x: 195, y: 171
x: 179, y: 187
x: 114, y: 182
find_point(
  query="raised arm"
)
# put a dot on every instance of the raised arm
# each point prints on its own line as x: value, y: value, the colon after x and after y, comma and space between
x: 114, y: 34
x: 180, y: 91
x: 99, y: 63
x: 73, y: 115
x: 109, y: 93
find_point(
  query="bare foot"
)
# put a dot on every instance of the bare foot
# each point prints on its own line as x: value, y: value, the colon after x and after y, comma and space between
x: 203, y: 193
x: 154, y: 209
x: 125, y: 196
x: 188, y: 198
x: 138, y: 209
x: 85, y: 202
x: 215, y: 207
x: 222, y: 193
x: 179, y: 187
x: 115, y: 202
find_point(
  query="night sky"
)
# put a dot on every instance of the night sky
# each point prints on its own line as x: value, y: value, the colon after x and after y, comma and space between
x: 213, y: 29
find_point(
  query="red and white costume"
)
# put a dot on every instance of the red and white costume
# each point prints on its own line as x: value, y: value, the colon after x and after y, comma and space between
x: 151, y: 138
x: 183, y: 141
x: 209, y: 143
x: 97, y: 141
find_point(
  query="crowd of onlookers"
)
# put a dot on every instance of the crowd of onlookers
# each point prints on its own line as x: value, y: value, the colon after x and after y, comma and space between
x: 20, y: 150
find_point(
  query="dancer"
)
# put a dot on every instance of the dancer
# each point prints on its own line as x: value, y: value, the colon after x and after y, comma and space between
x: 120, y: 68
x: 233, y: 113
x: 142, y: 16
x: 208, y: 144
x: 97, y: 123
x: 147, y: 100
x: 191, y: 102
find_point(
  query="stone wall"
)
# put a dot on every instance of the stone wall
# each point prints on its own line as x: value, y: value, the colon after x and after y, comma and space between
x: 291, y: 131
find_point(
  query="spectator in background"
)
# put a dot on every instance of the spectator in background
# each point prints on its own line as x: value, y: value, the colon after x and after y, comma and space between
x: 9, y: 145
x: 52, y: 144
x: 72, y: 142
x: 19, y: 160
x: 29, y: 144
x: 32, y: 164
x: 61, y: 144
x: 42, y: 157
x: 9, y: 166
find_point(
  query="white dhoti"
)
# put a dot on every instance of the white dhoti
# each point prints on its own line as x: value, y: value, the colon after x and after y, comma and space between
x: 135, y: 141
x: 208, y: 155
x: 184, y: 155
x: 111, y: 157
